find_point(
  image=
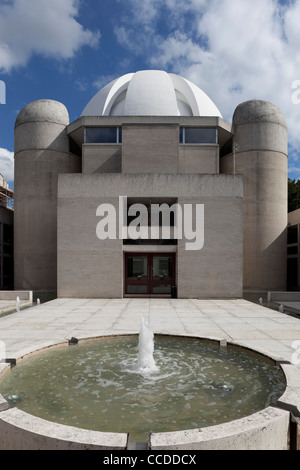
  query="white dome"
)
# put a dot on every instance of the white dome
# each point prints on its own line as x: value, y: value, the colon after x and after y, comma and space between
x: 151, y: 93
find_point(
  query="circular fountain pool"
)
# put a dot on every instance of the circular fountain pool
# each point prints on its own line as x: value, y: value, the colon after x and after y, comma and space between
x: 99, y: 385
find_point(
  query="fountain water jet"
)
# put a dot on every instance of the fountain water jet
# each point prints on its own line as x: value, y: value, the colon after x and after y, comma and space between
x: 146, y: 362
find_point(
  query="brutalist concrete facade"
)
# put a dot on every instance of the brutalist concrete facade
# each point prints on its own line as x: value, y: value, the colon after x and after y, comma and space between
x: 62, y: 177
x: 213, y: 271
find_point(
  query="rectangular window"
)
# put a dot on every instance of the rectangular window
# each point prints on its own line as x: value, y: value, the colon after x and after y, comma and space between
x: 157, y: 215
x: 292, y: 234
x: 292, y: 250
x: 103, y: 135
x: 194, y: 135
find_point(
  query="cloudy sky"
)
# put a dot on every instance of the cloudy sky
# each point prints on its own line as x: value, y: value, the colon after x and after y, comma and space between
x: 235, y: 50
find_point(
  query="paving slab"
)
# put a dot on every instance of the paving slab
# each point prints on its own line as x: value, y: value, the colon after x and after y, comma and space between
x: 235, y: 320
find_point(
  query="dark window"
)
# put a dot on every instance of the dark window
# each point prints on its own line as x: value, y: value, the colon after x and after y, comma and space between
x: 292, y: 273
x: 8, y: 233
x: 292, y: 250
x: 103, y: 135
x: 292, y: 234
x: 193, y: 135
x: 151, y: 215
x: 8, y: 267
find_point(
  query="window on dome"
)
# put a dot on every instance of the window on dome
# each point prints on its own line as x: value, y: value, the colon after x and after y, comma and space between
x: 193, y: 135
x: 103, y: 135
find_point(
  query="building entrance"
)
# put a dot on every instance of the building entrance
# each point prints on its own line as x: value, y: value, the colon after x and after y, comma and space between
x: 149, y: 273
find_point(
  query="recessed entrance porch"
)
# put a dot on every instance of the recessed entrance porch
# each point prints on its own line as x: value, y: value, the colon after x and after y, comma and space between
x: 150, y: 274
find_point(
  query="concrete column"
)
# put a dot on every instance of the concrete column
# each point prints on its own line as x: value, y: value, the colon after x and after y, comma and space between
x: 260, y: 135
x: 41, y: 153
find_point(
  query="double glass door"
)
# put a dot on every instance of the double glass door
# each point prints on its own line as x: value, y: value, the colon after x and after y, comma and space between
x: 149, y: 274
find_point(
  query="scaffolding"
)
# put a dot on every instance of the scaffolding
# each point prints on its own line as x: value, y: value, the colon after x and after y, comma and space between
x: 6, y: 195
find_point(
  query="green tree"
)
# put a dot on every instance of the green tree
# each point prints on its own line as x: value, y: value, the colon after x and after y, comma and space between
x: 293, y: 195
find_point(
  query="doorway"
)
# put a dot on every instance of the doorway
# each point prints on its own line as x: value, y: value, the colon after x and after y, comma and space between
x: 149, y: 274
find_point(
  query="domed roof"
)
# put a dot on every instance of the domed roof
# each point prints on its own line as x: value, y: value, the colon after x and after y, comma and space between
x: 258, y: 111
x: 151, y: 93
x: 43, y: 110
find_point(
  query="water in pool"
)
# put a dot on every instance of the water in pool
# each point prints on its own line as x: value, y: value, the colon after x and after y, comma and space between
x: 99, y: 385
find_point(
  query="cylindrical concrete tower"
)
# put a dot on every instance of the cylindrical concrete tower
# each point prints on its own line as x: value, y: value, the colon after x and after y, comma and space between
x: 41, y: 153
x: 260, y: 155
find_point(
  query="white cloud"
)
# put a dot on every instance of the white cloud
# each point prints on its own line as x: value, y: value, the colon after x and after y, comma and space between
x: 29, y: 27
x: 148, y: 11
x: 138, y: 41
x: 235, y: 50
x: 7, y: 164
x: 103, y: 80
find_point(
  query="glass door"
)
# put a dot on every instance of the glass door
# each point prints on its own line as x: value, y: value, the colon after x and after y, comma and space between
x: 149, y: 274
x: 137, y: 274
x: 162, y: 274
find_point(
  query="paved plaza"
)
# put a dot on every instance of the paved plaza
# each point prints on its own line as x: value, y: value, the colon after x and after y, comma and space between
x: 238, y: 321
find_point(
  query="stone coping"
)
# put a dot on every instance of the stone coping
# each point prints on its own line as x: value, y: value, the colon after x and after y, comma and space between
x: 20, y: 430
x: 264, y: 430
x: 25, y: 295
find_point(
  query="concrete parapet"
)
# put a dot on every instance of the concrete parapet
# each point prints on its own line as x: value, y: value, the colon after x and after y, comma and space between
x: 265, y: 430
x: 3, y: 404
x: 283, y: 295
x: 290, y: 400
x: 21, y: 431
x: 270, y: 429
x: 24, y: 295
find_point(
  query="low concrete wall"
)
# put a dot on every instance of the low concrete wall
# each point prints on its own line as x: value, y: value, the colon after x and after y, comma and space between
x: 269, y: 429
x: 21, y: 431
x: 265, y: 430
x: 282, y: 295
x: 290, y: 400
x: 24, y: 295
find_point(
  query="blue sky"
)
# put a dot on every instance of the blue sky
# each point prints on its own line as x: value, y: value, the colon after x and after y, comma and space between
x: 66, y: 50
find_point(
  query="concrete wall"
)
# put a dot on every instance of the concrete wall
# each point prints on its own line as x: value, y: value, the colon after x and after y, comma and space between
x: 21, y: 431
x: 150, y: 148
x: 89, y: 267
x: 261, y: 157
x: 36, y: 217
x: 216, y: 270
x: 101, y: 158
x: 12, y: 295
x: 293, y: 251
x: 41, y: 153
x: 198, y: 159
x: 265, y: 430
x: 294, y: 217
x: 6, y: 248
x: 6, y: 215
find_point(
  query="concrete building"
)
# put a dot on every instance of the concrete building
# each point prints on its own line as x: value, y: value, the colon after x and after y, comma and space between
x: 91, y: 196
x: 6, y: 236
x: 293, y: 252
